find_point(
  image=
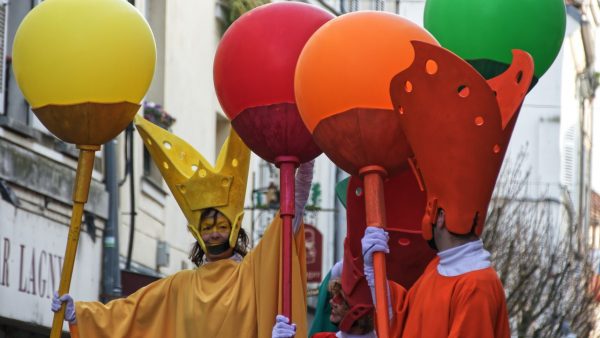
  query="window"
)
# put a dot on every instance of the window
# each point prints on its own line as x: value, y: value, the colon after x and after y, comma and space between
x: 15, y: 112
x: 14, y: 106
x: 156, y: 114
x: 151, y: 171
x: 222, y: 132
x: 155, y: 14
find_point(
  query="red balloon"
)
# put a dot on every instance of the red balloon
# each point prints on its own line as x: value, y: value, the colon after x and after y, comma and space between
x: 254, y: 77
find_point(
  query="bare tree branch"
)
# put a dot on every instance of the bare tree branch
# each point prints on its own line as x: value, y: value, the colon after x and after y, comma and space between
x: 543, y: 260
x: 329, y: 8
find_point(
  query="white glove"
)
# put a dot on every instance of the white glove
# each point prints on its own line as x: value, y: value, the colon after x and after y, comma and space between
x: 69, y: 309
x: 282, y: 329
x: 336, y: 271
x: 374, y: 240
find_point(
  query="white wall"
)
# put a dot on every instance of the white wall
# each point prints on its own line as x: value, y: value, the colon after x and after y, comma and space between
x: 31, y: 257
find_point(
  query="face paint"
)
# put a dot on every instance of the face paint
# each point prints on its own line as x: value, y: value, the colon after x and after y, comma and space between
x: 214, y: 232
x: 339, y: 308
x: 222, y: 227
x: 338, y: 299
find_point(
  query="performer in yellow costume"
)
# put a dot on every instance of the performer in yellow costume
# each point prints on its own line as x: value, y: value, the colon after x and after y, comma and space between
x: 227, y: 295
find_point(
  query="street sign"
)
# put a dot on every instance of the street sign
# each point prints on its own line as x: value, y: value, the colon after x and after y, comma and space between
x: 314, y: 253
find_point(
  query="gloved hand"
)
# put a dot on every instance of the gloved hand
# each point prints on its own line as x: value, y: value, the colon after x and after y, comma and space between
x: 304, y: 176
x: 374, y: 240
x: 282, y: 329
x: 69, y: 309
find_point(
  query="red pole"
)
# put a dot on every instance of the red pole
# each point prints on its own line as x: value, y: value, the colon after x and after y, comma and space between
x: 375, y: 214
x: 287, y: 167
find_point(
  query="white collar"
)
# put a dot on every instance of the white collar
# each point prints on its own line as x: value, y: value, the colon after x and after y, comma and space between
x: 341, y: 334
x: 236, y: 257
x: 462, y: 259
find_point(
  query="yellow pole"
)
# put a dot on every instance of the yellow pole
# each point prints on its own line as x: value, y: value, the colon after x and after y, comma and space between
x: 81, y: 189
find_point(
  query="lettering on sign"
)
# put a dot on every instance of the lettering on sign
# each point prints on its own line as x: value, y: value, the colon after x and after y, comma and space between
x: 31, y: 271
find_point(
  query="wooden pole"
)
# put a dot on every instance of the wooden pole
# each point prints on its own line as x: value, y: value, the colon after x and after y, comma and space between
x: 375, y: 214
x: 287, y: 167
x: 81, y: 189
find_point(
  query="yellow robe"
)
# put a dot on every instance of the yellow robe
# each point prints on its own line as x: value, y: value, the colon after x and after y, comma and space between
x: 223, y: 299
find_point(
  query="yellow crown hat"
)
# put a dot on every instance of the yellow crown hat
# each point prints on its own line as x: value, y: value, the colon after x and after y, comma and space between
x: 197, y: 185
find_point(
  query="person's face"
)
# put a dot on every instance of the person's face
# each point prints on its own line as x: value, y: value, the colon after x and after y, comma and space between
x: 339, y: 308
x: 215, y: 231
x: 439, y: 225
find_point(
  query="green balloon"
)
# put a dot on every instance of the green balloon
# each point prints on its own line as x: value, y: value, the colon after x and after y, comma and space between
x: 487, y: 30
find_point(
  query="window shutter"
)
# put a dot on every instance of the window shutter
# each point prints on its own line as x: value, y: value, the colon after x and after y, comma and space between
x: 569, y: 165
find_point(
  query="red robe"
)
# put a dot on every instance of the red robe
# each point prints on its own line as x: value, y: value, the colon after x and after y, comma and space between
x: 468, y: 305
x: 324, y: 335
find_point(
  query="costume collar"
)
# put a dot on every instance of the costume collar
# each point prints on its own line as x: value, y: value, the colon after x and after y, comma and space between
x: 462, y: 259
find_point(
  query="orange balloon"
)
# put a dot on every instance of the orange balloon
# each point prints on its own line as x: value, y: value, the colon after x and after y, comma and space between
x: 349, y: 62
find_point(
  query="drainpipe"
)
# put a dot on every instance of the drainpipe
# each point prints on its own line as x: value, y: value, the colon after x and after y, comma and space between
x: 132, y: 214
x: 111, y: 275
x: 586, y: 90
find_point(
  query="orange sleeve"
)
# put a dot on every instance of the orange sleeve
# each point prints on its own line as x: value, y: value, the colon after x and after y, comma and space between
x: 398, y: 297
x: 479, y: 312
x: 74, y: 330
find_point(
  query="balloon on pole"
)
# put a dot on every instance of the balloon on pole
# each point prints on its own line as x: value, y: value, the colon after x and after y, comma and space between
x: 254, y: 80
x: 84, y: 67
x: 342, y: 89
x: 484, y: 33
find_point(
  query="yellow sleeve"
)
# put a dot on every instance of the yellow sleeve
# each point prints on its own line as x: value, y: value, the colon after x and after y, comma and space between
x: 145, y: 313
x: 221, y: 299
x: 265, y: 262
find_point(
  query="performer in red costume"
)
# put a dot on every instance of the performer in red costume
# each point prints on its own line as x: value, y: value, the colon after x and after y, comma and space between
x: 361, y: 327
x: 459, y: 141
x: 458, y: 295
x: 352, y: 307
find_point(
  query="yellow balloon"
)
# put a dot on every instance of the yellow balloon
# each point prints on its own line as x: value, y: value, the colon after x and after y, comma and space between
x: 76, y: 51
